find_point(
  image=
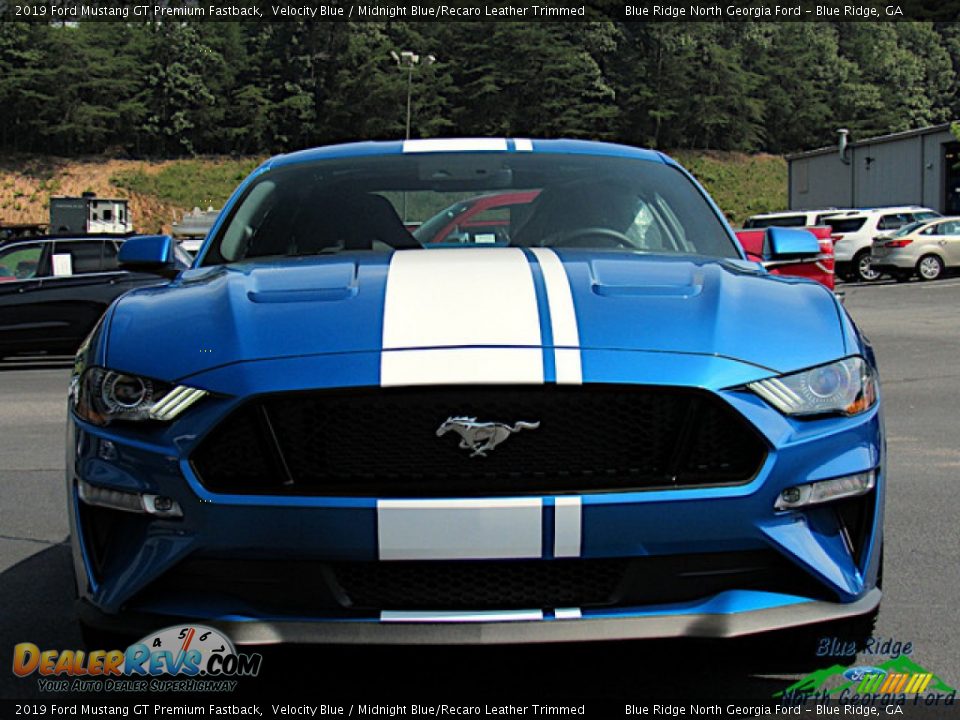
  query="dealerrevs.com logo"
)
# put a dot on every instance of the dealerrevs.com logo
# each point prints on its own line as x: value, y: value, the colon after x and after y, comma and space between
x: 187, y: 658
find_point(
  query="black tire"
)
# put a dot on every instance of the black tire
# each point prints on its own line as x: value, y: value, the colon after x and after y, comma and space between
x: 862, y: 270
x: 929, y: 267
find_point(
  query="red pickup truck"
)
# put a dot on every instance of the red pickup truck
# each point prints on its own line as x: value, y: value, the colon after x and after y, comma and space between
x: 485, y: 218
x: 820, y: 269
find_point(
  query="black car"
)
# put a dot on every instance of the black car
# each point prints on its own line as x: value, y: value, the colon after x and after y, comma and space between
x: 54, y: 289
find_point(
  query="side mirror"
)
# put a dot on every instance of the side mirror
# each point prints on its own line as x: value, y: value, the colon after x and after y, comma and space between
x: 784, y: 244
x: 150, y: 254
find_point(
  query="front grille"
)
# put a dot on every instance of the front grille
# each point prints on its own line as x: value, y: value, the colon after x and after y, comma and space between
x: 481, y: 585
x: 383, y: 442
x: 298, y: 587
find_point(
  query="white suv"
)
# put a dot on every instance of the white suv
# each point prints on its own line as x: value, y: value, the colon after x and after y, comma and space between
x: 791, y: 218
x: 855, y: 230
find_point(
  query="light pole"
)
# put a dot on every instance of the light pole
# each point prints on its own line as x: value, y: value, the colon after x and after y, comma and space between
x: 410, y: 60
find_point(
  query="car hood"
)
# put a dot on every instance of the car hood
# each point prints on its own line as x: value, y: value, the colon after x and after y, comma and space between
x: 467, y: 298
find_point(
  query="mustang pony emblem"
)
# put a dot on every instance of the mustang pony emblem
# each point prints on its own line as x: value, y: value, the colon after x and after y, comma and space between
x: 482, y: 437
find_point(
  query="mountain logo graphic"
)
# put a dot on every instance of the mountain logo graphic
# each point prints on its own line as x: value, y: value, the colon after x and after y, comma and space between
x: 899, y: 675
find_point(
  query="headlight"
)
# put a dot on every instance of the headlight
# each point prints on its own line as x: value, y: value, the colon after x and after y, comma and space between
x: 101, y: 396
x: 848, y: 386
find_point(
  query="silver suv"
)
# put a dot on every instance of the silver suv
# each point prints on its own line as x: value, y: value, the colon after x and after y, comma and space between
x: 855, y: 230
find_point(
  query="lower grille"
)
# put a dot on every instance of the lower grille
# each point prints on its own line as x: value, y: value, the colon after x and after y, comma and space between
x: 383, y: 442
x: 481, y: 585
x: 306, y: 587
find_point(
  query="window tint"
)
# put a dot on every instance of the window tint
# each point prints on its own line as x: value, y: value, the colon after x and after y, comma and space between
x: 77, y: 258
x: 781, y: 221
x: 20, y: 262
x: 846, y: 225
x: 893, y: 221
x: 907, y: 229
x: 356, y: 204
x: 109, y: 256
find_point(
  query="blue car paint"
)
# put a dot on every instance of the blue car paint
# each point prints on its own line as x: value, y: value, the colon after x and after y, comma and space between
x: 706, y: 324
x: 261, y: 310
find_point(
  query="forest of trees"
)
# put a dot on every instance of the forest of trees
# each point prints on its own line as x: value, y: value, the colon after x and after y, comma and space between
x: 174, y: 89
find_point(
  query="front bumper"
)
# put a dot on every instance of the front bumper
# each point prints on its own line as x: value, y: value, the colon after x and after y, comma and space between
x: 697, y: 622
x: 124, y: 566
x: 885, y: 260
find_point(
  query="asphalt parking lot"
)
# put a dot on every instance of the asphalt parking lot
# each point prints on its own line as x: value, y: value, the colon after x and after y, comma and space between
x: 915, y: 329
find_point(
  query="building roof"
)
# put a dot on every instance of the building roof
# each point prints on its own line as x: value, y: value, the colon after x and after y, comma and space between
x: 890, y: 137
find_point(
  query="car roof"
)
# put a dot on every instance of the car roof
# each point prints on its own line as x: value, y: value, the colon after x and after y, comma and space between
x: 437, y: 145
x: 806, y: 211
x: 862, y: 212
x: 62, y: 238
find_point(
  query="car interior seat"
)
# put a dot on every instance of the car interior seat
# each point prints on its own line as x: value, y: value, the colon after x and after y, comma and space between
x: 576, y: 206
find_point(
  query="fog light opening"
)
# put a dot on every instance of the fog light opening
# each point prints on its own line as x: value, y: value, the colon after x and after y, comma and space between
x: 157, y: 505
x: 162, y: 506
x: 826, y: 491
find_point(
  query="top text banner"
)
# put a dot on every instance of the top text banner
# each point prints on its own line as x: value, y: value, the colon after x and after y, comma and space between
x: 475, y: 11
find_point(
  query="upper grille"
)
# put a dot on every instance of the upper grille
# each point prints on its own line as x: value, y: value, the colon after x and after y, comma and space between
x: 383, y: 442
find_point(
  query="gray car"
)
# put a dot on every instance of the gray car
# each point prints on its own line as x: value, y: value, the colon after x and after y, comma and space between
x: 926, y: 249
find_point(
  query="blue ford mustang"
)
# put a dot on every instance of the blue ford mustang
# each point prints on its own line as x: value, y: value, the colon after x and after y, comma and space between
x: 596, y: 420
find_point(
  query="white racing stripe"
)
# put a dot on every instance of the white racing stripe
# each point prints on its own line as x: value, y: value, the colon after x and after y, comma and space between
x: 523, y: 144
x: 462, y: 366
x: 455, y: 145
x: 567, y: 524
x: 567, y: 614
x: 469, y: 529
x: 460, y: 316
x: 563, y: 317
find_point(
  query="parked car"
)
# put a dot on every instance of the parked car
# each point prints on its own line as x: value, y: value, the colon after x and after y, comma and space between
x: 820, y: 268
x: 483, y: 219
x: 855, y: 230
x: 615, y: 427
x: 790, y: 218
x: 924, y: 249
x: 54, y: 289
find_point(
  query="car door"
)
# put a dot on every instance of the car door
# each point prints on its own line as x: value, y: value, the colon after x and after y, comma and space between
x: 949, y: 242
x: 22, y: 327
x: 80, y: 286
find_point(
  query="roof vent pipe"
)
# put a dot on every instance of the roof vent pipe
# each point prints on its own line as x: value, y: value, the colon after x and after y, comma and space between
x: 842, y: 143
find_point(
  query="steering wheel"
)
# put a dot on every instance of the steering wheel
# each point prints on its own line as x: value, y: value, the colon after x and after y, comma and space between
x: 612, y: 238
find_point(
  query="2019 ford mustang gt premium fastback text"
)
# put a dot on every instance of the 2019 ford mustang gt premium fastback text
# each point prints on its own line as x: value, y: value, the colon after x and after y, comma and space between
x: 603, y: 423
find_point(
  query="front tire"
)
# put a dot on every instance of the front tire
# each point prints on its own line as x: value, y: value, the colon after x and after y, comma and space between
x: 930, y: 267
x: 862, y: 269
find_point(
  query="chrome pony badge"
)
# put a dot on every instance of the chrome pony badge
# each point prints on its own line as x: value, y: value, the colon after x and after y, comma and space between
x: 481, y: 437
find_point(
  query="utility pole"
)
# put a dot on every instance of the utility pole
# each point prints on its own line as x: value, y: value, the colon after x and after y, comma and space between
x: 409, y: 60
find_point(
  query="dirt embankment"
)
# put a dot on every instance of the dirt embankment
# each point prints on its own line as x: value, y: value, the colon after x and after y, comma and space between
x: 27, y: 184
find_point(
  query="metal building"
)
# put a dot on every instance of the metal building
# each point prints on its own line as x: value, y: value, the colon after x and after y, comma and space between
x: 916, y: 167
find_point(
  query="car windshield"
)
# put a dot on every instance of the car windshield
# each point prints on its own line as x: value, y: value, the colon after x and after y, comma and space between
x: 529, y: 200
x: 909, y: 228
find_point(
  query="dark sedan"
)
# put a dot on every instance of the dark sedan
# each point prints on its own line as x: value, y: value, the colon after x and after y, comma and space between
x: 54, y: 289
